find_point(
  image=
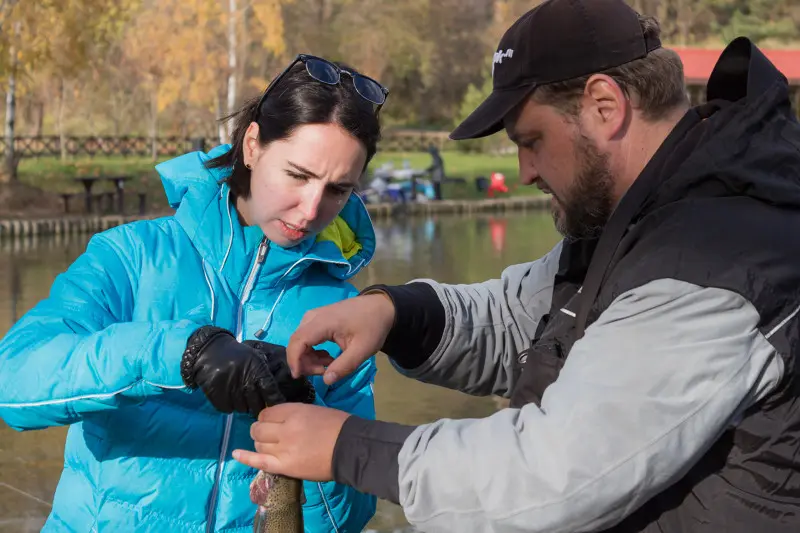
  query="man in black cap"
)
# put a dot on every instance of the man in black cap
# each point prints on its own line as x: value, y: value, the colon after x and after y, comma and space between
x: 651, y: 357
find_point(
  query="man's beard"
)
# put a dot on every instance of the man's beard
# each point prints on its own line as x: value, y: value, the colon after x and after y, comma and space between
x: 583, y: 211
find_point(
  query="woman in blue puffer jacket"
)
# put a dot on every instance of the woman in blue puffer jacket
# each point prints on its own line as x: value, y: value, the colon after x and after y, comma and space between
x: 141, y: 346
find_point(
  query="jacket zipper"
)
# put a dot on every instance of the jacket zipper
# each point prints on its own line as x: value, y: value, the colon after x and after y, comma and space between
x: 248, y: 288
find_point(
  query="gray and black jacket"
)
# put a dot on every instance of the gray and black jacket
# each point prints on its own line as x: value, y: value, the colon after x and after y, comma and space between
x: 652, y: 373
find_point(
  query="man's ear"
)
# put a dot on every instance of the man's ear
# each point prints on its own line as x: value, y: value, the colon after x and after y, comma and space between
x: 606, y: 109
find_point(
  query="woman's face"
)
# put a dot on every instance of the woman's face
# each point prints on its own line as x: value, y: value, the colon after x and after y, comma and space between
x: 300, y: 184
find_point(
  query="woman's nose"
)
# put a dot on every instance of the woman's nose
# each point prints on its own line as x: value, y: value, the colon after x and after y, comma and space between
x: 311, y: 203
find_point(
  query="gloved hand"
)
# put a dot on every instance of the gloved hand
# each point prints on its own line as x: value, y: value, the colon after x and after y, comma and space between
x: 240, y: 376
x: 293, y: 390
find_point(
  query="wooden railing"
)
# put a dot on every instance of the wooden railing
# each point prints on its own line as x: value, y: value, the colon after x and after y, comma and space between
x: 92, y: 146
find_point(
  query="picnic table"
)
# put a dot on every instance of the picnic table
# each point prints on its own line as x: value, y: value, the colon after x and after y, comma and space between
x: 119, y: 189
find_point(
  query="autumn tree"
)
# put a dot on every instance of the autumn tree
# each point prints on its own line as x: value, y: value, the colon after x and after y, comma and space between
x: 160, y: 67
x: 56, y: 37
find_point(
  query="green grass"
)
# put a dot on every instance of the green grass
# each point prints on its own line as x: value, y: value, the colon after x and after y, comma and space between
x: 53, y: 175
x: 462, y: 165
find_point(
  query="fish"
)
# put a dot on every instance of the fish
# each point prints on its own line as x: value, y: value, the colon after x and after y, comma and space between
x: 279, y: 499
x: 280, y: 502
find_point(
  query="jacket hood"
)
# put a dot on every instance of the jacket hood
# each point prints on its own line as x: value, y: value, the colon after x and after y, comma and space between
x: 747, y: 141
x: 205, y: 210
x: 744, y: 142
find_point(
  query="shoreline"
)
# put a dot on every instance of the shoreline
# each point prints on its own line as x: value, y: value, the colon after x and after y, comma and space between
x: 79, y: 225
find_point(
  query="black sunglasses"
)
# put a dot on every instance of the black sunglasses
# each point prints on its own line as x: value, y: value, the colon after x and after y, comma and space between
x: 326, y: 72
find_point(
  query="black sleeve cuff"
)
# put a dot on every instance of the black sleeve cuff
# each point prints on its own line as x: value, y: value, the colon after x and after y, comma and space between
x: 365, y: 456
x: 418, y: 324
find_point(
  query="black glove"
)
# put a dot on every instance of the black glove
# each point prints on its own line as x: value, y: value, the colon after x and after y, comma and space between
x: 293, y: 390
x: 244, y: 377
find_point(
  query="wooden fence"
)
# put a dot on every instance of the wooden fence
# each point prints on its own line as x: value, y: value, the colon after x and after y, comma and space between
x: 92, y: 146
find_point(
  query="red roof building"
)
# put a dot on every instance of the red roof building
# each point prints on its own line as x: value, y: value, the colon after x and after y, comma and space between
x: 699, y: 62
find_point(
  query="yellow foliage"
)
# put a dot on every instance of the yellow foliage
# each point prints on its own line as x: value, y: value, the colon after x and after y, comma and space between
x: 181, y: 47
x: 126, y: 58
x: 268, y: 22
x: 61, y: 35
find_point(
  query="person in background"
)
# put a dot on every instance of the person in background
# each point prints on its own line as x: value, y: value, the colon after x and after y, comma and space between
x: 436, y: 170
x: 161, y: 343
x: 651, y: 359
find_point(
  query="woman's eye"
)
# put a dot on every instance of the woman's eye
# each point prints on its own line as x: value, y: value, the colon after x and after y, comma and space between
x: 299, y: 177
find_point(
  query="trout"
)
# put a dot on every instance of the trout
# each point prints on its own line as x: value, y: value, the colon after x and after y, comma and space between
x: 279, y: 498
x: 280, y: 503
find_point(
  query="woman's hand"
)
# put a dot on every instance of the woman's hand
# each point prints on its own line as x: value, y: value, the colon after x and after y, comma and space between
x: 244, y: 377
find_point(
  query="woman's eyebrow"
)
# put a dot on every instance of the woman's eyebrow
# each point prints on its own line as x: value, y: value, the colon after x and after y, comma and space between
x: 303, y: 170
x: 344, y: 182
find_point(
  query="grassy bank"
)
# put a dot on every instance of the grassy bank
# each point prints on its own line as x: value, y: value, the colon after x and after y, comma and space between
x: 55, y: 176
x: 467, y: 166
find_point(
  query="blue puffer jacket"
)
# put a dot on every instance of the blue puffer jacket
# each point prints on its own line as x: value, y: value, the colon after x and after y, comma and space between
x: 103, y: 352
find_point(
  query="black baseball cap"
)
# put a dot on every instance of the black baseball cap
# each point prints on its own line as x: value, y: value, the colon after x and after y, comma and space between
x: 555, y: 41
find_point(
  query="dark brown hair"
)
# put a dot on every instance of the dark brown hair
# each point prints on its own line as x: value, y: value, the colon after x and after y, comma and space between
x: 295, y: 101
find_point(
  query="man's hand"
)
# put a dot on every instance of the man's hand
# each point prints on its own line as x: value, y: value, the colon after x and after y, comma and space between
x: 295, y: 440
x: 358, y: 325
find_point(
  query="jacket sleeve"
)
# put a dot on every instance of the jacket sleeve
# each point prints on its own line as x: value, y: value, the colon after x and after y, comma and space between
x: 77, y: 352
x: 655, y: 381
x: 485, y: 326
x: 346, y: 507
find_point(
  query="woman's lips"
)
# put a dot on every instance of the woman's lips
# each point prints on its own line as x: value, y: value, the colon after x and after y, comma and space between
x: 292, y: 232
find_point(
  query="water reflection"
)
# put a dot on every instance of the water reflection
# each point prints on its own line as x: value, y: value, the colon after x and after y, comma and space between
x: 449, y: 249
x: 13, y: 284
x: 497, y: 229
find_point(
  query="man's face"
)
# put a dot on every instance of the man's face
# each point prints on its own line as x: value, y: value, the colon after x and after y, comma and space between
x: 557, y: 156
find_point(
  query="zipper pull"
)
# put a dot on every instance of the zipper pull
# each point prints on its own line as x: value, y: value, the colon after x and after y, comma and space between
x: 262, y: 251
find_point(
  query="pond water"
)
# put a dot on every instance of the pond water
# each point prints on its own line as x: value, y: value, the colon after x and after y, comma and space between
x: 450, y: 249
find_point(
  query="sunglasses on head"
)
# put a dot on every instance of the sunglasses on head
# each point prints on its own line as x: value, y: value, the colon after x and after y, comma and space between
x: 326, y: 72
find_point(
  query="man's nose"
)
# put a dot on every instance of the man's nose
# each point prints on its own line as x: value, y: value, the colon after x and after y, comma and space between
x: 527, y: 170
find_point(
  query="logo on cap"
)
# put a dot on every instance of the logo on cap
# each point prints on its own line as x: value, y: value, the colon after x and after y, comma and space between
x: 499, y: 56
